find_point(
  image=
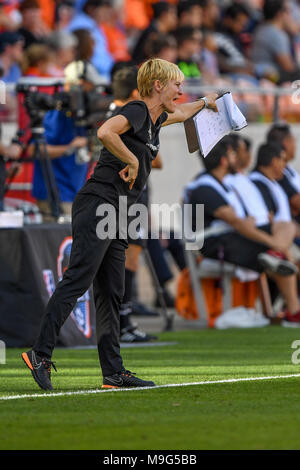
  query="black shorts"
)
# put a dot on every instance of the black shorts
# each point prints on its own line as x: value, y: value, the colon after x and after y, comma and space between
x: 236, y: 249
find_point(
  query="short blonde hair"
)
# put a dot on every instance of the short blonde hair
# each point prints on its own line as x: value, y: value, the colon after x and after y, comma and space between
x: 156, y: 69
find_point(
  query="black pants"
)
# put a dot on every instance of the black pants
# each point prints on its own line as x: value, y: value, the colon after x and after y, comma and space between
x: 236, y: 249
x: 92, y: 260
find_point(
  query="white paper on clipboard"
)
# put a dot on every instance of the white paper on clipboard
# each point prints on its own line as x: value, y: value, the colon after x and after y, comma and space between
x: 212, y: 126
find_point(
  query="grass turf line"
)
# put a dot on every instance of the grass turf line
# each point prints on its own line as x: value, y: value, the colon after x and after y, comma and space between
x: 245, y: 415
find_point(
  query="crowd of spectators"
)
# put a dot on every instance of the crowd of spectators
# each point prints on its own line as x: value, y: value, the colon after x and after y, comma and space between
x: 224, y: 43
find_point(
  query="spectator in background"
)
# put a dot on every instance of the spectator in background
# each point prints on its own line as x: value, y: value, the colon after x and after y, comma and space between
x: 209, y: 56
x: 164, y: 21
x: 210, y: 14
x: 115, y: 35
x: 89, y: 18
x: 189, y: 48
x: 36, y: 61
x: 48, y: 12
x: 189, y: 14
x: 163, y: 46
x: 85, y: 44
x: 230, y: 52
x: 64, y: 13
x: 32, y: 28
x: 79, y: 4
x: 135, y: 16
x: 7, y: 23
x: 11, y: 52
x: 63, y: 46
x: 84, y: 52
x: 271, y: 51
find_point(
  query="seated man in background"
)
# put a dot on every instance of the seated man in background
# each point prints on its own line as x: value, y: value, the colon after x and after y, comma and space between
x: 238, y: 240
x: 270, y: 164
x: 251, y: 197
x: 290, y: 182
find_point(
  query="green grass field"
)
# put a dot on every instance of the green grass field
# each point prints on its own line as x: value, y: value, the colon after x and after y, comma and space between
x: 243, y: 415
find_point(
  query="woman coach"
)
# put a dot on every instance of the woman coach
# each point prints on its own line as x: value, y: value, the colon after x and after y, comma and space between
x: 131, y: 142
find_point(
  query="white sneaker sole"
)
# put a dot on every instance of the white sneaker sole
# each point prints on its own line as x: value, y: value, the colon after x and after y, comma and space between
x: 278, y: 266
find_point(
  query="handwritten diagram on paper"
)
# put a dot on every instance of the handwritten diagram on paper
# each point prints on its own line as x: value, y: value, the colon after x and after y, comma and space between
x: 212, y: 126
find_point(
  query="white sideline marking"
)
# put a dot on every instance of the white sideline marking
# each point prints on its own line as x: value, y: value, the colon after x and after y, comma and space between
x: 89, y: 392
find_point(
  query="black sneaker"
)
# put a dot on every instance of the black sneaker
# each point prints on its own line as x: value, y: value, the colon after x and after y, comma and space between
x: 131, y: 334
x: 125, y: 379
x: 40, y: 368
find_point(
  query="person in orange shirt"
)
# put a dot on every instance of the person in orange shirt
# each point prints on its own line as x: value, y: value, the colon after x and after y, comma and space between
x: 115, y: 35
x: 138, y: 14
x: 48, y: 12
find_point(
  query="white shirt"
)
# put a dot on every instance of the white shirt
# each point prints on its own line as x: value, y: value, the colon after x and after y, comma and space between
x: 283, y: 213
x: 293, y: 176
x: 251, y: 197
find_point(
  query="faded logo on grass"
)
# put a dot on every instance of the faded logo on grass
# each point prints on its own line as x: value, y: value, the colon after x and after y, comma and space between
x: 2, y: 352
x: 296, y: 354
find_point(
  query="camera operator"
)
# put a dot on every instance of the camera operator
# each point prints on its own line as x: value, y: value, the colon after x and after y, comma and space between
x: 67, y: 149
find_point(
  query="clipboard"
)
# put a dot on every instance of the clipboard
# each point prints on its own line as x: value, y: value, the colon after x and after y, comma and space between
x: 213, y: 126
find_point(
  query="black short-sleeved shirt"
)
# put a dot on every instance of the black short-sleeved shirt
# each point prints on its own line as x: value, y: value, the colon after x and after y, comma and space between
x: 287, y: 187
x: 212, y: 200
x: 142, y: 139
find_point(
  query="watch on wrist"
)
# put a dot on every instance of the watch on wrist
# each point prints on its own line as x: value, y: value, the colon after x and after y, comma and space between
x: 205, y: 100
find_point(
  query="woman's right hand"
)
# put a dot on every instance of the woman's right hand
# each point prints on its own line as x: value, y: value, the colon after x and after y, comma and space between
x: 211, y: 101
x: 129, y: 173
